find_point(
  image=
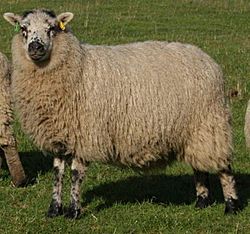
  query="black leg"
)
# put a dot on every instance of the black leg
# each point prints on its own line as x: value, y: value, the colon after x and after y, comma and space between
x: 55, y: 208
x: 78, y: 169
x: 202, y: 186
x: 232, y: 204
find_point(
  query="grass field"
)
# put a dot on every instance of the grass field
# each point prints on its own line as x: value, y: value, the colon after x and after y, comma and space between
x: 119, y: 200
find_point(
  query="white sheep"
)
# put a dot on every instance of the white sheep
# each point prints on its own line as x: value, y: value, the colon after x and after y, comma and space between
x: 7, y: 140
x: 141, y: 105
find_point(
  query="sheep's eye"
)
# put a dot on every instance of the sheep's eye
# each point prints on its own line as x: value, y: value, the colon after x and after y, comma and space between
x: 24, y: 31
x: 51, y: 30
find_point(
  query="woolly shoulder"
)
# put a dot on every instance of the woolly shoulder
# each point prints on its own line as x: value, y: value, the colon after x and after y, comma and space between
x: 4, y: 66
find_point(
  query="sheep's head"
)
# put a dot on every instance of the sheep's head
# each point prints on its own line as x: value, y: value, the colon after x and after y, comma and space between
x: 38, y: 29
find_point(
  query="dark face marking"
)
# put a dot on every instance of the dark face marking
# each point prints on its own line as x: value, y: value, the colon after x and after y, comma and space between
x: 24, y: 31
x: 49, y: 13
x: 26, y: 13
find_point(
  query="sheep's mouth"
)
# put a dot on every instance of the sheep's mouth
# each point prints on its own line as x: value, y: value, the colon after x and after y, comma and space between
x: 37, y: 57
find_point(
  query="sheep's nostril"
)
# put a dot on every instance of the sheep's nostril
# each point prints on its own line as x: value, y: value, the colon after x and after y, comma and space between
x: 36, y: 47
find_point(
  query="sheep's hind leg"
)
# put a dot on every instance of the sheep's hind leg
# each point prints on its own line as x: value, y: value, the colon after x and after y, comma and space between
x: 55, y: 208
x: 230, y: 194
x: 202, y: 186
x: 78, y: 168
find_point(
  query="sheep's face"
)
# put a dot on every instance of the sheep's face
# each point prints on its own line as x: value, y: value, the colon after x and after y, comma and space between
x: 38, y: 29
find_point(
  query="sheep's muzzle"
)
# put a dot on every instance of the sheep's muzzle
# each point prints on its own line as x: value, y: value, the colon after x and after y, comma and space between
x: 36, y: 51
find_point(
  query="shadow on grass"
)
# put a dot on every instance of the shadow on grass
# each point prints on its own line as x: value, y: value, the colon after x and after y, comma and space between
x: 34, y: 163
x: 160, y: 189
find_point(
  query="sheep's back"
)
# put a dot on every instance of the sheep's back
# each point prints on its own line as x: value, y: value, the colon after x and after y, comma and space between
x: 148, y: 96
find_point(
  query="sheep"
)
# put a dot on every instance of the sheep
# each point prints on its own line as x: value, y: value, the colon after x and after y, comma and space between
x: 7, y: 139
x: 141, y: 105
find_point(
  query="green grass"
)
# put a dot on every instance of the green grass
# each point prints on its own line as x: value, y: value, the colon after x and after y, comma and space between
x: 120, y: 200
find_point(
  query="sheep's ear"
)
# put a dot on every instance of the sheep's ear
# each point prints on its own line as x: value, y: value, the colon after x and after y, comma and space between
x: 65, y: 17
x: 12, y: 18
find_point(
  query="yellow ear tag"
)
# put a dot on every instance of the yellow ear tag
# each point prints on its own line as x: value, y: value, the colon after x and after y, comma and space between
x: 61, y: 25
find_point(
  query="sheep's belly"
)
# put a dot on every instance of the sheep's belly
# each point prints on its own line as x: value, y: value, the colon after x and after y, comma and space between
x: 144, y: 160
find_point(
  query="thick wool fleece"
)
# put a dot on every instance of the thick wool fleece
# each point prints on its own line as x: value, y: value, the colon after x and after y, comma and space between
x: 140, y: 104
x: 7, y: 140
x: 6, y: 137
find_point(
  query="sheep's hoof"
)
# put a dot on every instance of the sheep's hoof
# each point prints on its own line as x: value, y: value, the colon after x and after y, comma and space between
x: 72, y: 212
x: 232, y: 206
x: 203, y: 202
x: 54, y: 210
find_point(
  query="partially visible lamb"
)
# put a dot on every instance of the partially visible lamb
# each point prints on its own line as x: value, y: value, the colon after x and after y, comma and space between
x: 141, y: 105
x: 7, y: 140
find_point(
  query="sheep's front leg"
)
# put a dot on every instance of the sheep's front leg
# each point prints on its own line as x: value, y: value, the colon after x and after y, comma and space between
x: 202, y: 189
x: 230, y: 194
x: 55, y: 208
x: 78, y: 168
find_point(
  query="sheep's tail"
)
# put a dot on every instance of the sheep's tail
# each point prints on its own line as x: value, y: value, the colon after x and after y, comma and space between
x: 247, y: 125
